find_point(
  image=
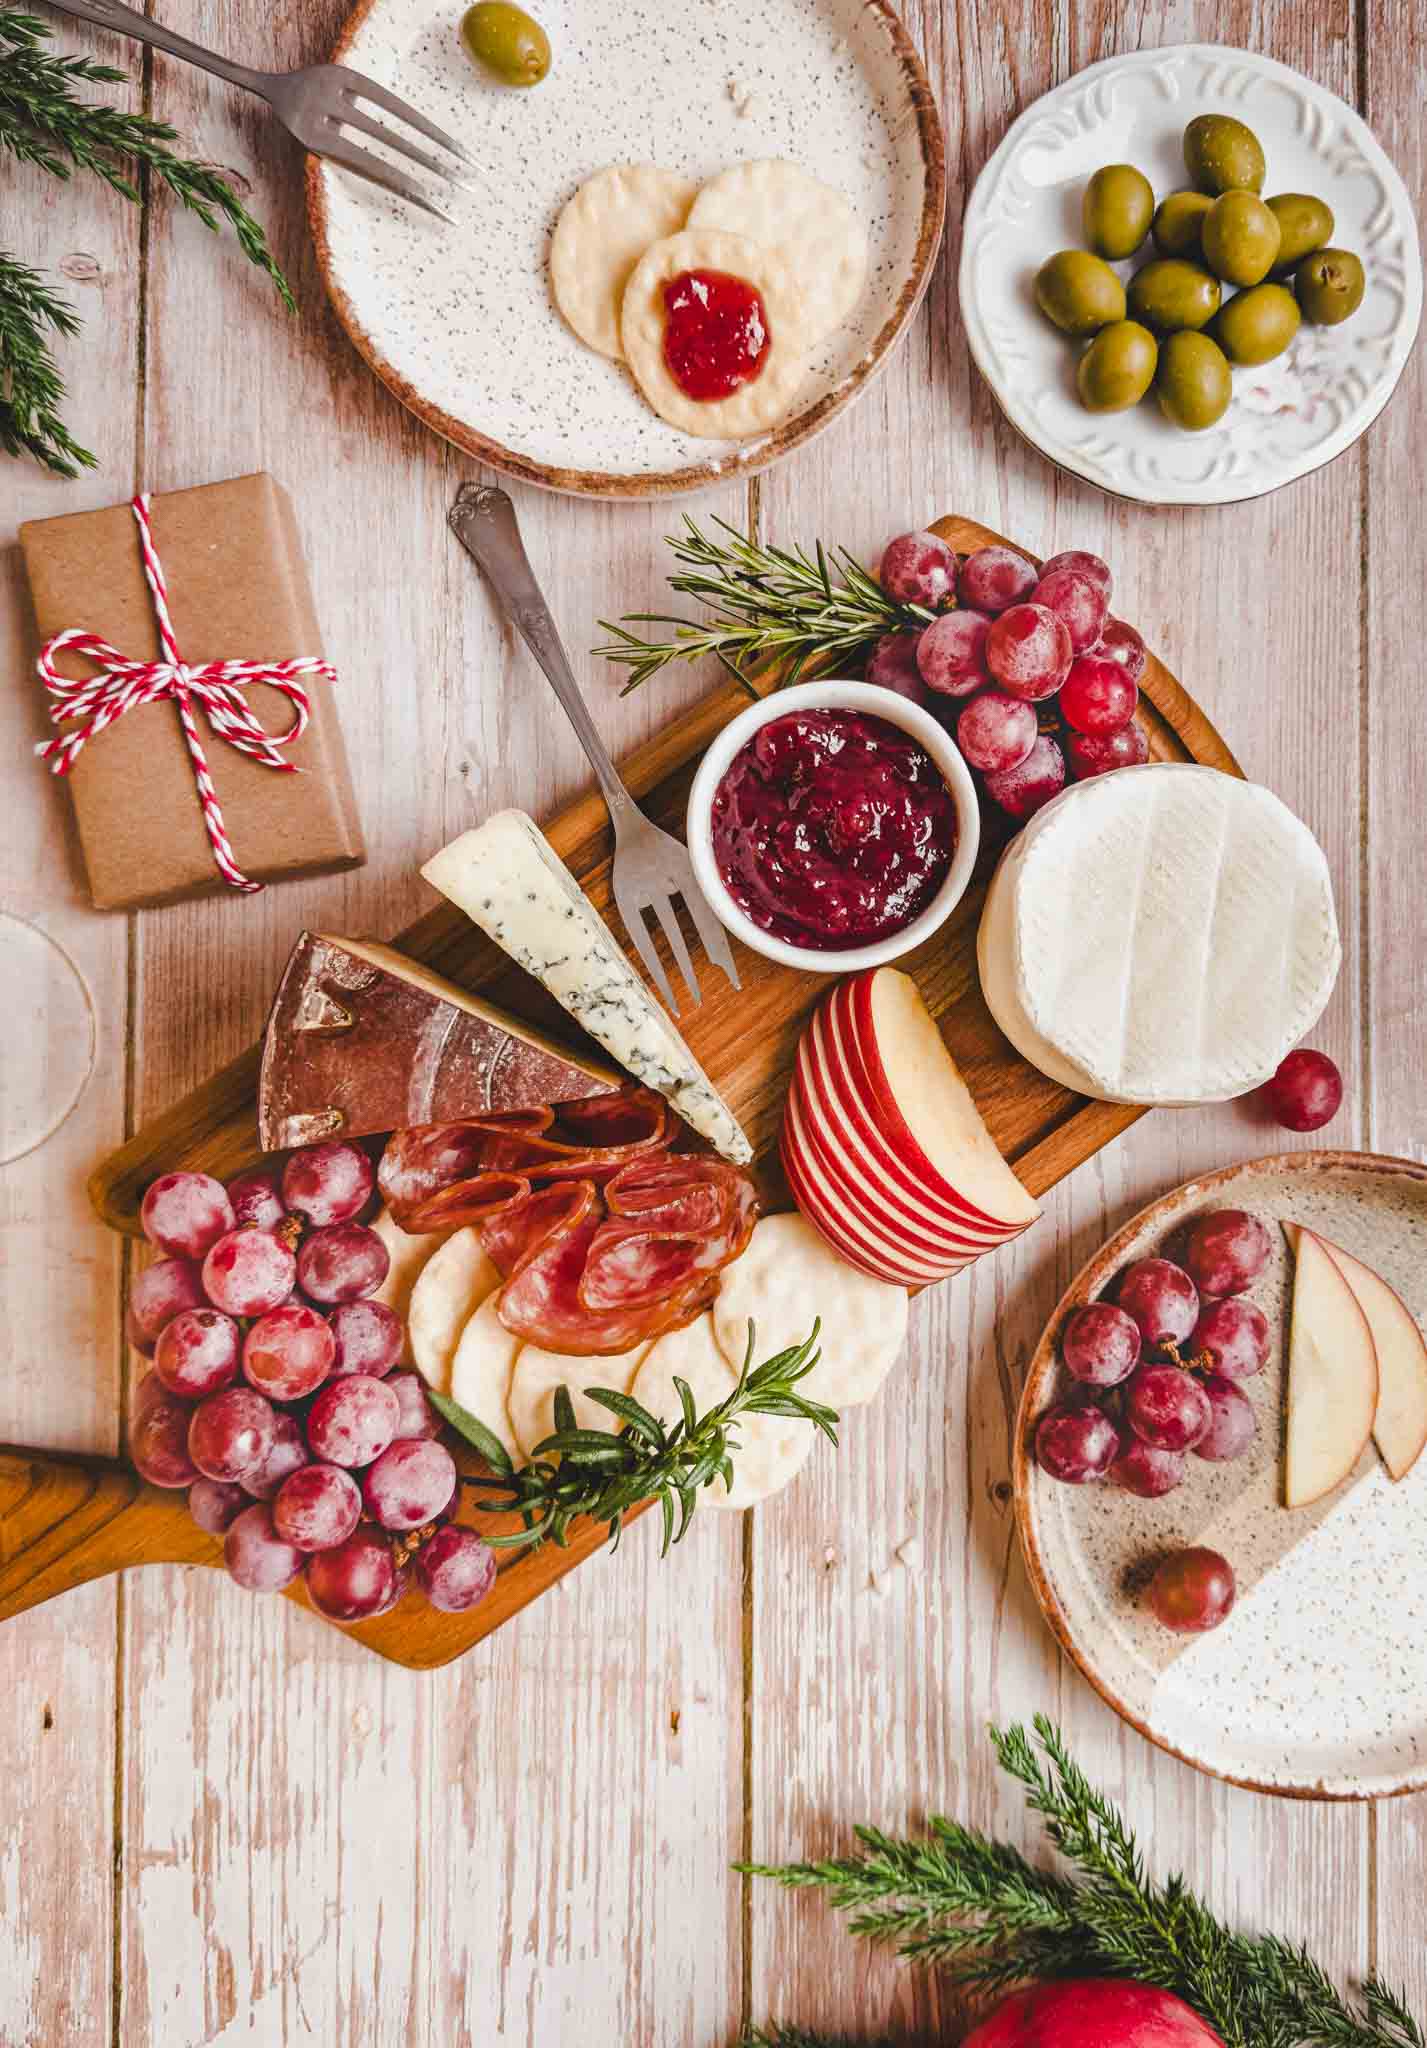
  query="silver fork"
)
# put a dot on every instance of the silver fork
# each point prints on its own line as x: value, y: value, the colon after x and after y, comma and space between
x: 651, y: 867
x: 316, y: 105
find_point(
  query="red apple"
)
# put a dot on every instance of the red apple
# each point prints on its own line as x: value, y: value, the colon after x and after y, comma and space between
x: 1093, y: 2012
x: 812, y: 1206
x: 877, y: 1247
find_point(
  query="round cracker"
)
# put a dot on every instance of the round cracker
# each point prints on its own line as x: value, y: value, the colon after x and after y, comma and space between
x: 789, y: 1277
x: 481, y: 1368
x: 769, y: 396
x: 601, y: 234
x: 770, y: 1449
x: 811, y: 225
x: 538, y: 1373
x: 449, y: 1289
x: 408, y: 1253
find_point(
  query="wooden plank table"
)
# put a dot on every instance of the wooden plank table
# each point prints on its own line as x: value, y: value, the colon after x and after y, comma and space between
x: 222, y: 1825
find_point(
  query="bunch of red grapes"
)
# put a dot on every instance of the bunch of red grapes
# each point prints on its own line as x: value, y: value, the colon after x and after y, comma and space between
x: 273, y: 1397
x: 1161, y: 1366
x: 1020, y: 640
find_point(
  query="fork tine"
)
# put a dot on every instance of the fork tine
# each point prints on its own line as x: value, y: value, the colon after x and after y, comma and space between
x: 352, y: 117
x: 712, y: 936
x: 340, y: 151
x: 367, y: 89
x: 668, y: 917
x: 643, y: 944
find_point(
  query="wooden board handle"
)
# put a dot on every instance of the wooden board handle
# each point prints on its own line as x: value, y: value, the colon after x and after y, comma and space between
x: 66, y: 1520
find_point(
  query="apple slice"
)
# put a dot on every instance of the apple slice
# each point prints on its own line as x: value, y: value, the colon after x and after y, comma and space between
x: 924, y: 1105
x: 833, y: 1209
x: 1332, y: 1376
x: 1400, y: 1425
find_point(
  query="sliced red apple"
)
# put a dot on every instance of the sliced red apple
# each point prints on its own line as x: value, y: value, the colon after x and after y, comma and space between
x: 827, y: 1224
x: 1400, y: 1424
x: 891, y: 1255
x: 924, y: 1105
x: 1332, y: 1376
x: 853, y: 1194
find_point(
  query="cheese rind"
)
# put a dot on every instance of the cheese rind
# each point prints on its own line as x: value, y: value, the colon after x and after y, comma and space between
x: 509, y: 881
x: 1163, y: 935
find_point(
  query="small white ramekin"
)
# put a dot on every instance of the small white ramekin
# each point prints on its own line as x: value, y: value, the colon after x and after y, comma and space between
x: 834, y: 696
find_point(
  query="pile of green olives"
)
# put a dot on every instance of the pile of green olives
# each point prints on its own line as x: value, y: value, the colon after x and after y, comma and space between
x: 1175, y: 328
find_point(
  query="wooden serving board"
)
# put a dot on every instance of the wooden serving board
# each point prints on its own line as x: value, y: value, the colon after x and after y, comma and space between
x: 63, y: 1521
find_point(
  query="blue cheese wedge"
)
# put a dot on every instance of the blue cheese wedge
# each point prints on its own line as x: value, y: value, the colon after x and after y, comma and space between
x: 508, y: 880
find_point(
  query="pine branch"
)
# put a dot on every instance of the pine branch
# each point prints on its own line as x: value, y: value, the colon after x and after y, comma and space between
x: 977, y: 1909
x: 31, y: 388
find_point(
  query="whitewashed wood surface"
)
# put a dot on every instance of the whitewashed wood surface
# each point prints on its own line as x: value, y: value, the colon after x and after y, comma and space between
x: 220, y: 1823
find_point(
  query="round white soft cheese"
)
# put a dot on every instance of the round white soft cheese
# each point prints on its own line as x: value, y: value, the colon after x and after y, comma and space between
x: 1160, y: 935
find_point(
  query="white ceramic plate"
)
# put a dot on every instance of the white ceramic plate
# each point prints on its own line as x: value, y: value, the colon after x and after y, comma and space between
x: 459, y: 320
x: 1316, y: 1685
x: 1288, y: 417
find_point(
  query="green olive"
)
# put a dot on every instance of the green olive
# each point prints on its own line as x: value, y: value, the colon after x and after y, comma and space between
x: 1222, y: 155
x: 1304, y: 224
x: 1079, y: 293
x: 1177, y: 222
x: 1329, y: 284
x: 1257, y: 325
x: 1193, y: 383
x: 506, y: 41
x: 1118, y: 368
x: 1116, y: 211
x: 1170, y: 293
x: 1240, y: 238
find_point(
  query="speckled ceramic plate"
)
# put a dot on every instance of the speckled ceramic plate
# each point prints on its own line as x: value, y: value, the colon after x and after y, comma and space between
x: 1288, y: 417
x: 1316, y: 1685
x: 459, y: 320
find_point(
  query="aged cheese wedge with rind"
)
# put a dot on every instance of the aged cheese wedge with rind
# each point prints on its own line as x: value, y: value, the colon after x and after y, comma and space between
x: 449, y: 1289
x: 771, y: 1449
x: 536, y: 1375
x: 790, y: 1277
x: 408, y: 1253
x: 1163, y: 934
x: 508, y: 880
x: 481, y: 1369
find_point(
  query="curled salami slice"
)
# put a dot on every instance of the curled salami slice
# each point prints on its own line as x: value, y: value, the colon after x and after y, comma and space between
x: 514, y: 1236
x: 541, y: 1303
x: 673, y: 1222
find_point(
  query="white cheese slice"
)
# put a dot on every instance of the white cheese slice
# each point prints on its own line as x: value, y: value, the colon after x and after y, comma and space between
x: 1163, y: 934
x: 509, y: 881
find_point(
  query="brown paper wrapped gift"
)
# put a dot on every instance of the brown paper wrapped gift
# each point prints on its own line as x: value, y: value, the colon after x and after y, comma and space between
x: 237, y: 590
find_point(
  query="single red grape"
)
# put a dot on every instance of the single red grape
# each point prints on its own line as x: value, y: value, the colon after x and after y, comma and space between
x: 1028, y: 652
x: 410, y: 1484
x: 1161, y: 1300
x: 185, y: 1213
x: 198, y: 1353
x: 1167, y: 1407
x: 1100, y: 1344
x: 287, y: 1453
x: 354, y: 1580
x: 248, y: 1272
x: 1097, y: 696
x: 917, y: 568
x: 1232, y: 1424
x: 367, y: 1337
x: 416, y: 1417
x: 1032, y: 783
x: 400, y: 1584
x: 951, y: 654
x: 158, y: 1435
x: 317, y: 1508
x: 1078, y: 601
x: 353, y: 1420
x: 230, y: 1433
x: 993, y: 579
x: 1076, y: 1442
x: 161, y: 1292
x: 341, y: 1262
x: 1192, y: 1590
x: 1141, y: 1469
x: 892, y: 665
x: 996, y: 732
x: 215, y: 1504
x: 1234, y: 1336
x: 256, y: 1197
x: 1306, y: 1091
x: 1122, y: 644
x: 1082, y: 564
x: 1102, y: 752
x: 455, y: 1569
x: 288, y: 1353
x: 1226, y: 1251
x: 328, y: 1183
x: 256, y: 1556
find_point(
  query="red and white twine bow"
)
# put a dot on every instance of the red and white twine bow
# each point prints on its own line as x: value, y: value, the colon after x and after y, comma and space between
x: 122, y: 685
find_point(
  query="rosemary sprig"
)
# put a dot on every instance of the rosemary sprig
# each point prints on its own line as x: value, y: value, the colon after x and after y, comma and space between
x: 977, y: 1908
x: 602, y: 1474
x: 766, y: 604
x: 31, y: 388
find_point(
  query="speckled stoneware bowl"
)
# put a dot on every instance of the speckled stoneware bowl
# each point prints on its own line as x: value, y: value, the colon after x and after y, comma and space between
x: 1316, y: 1685
x: 459, y: 320
x: 1288, y: 417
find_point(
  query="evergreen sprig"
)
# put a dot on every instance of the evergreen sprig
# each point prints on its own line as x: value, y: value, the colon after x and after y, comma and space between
x: 43, y: 122
x: 767, y: 604
x: 601, y: 1474
x: 980, y: 1910
x: 800, y: 2037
